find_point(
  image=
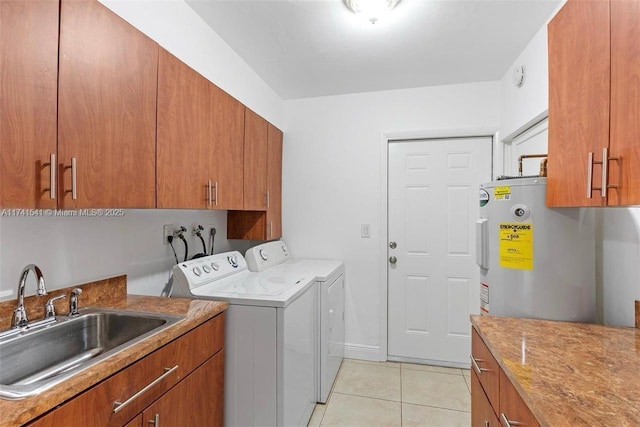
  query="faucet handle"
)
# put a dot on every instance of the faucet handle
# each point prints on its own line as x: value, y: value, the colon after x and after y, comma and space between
x: 49, y: 309
x: 73, y: 301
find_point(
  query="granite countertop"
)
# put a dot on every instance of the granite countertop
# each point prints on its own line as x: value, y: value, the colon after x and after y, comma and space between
x: 569, y: 374
x: 196, y: 312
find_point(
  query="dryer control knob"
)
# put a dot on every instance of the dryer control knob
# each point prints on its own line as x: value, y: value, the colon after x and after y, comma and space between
x: 215, y: 266
x: 263, y: 255
x: 206, y: 268
x: 197, y: 271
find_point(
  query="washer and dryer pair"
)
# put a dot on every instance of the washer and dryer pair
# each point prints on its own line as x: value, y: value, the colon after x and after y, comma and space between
x: 284, y: 333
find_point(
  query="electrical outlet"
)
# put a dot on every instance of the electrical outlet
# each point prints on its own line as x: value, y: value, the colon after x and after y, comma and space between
x: 167, y: 230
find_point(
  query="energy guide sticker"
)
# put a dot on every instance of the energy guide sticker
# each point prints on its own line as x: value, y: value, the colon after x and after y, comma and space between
x: 516, y: 245
x: 502, y: 193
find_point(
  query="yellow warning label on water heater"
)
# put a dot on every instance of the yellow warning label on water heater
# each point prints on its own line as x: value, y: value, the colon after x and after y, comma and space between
x: 502, y: 193
x: 516, y: 245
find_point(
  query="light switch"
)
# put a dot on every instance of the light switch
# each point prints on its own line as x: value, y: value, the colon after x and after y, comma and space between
x: 365, y: 231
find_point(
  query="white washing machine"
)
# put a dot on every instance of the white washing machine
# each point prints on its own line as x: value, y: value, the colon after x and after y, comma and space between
x: 274, y: 258
x: 270, y: 338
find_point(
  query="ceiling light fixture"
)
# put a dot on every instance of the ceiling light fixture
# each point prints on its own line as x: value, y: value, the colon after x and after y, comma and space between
x: 373, y: 10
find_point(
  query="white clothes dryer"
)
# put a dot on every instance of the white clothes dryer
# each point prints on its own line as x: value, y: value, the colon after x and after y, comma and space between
x: 274, y: 258
x: 270, y: 338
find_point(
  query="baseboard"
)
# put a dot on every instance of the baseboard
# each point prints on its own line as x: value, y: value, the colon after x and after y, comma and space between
x: 364, y: 352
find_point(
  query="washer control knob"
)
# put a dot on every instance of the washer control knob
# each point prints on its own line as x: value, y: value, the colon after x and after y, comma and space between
x: 263, y: 255
x: 197, y: 271
x: 233, y: 260
x: 215, y: 266
x: 206, y: 268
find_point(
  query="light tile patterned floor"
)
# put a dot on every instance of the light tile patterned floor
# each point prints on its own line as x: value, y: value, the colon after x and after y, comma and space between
x: 389, y: 394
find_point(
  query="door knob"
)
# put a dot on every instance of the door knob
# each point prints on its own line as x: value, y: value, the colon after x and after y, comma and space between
x: 393, y: 245
x: 393, y: 260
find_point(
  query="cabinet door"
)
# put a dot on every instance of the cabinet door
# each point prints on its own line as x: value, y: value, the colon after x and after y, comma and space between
x: 107, y: 108
x: 196, y: 401
x: 136, y: 422
x: 183, y: 126
x: 256, y: 130
x: 625, y: 103
x: 482, y: 414
x: 226, y: 147
x: 274, y: 183
x: 28, y: 102
x: 579, y: 79
x: 512, y: 407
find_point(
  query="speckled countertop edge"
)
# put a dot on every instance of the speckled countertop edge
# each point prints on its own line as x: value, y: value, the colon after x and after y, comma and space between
x: 195, y: 312
x: 619, y: 343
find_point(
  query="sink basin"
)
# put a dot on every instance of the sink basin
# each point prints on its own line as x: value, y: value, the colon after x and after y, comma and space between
x: 35, y: 360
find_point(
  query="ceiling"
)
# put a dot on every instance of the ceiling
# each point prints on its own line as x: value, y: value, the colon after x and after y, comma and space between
x: 308, y: 48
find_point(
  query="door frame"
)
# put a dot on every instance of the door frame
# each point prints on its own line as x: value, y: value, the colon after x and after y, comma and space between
x: 497, y: 167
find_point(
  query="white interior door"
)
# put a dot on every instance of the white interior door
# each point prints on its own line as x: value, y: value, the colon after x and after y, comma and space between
x: 433, y: 286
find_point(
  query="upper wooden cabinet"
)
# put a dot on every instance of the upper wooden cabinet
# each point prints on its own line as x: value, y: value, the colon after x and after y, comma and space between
x: 594, y: 104
x: 28, y: 102
x: 266, y: 223
x: 103, y: 80
x: 274, y: 183
x: 107, y: 109
x: 200, y: 140
x: 256, y: 131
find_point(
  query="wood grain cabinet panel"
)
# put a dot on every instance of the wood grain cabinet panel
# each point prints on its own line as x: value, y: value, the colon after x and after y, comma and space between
x: 482, y: 414
x: 200, y: 140
x: 256, y: 130
x: 28, y: 102
x: 594, y: 103
x: 489, y: 370
x: 274, y: 183
x: 579, y: 79
x: 262, y: 224
x: 183, y: 129
x: 107, y: 109
x: 187, y: 404
x: 625, y: 103
x: 512, y: 407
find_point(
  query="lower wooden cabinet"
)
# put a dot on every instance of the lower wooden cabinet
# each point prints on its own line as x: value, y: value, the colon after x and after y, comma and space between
x: 182, y: 382
x: 482, y: 414
x: 494, y: 400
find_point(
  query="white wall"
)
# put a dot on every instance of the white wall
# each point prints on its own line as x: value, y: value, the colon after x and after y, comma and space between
x: 75, y: 250
x: 618, y: 232
x: 332, y: 180
x: 175, y: 26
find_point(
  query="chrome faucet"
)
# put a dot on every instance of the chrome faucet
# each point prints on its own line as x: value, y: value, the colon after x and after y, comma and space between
x: 19, y: 319
x: 73, y: 302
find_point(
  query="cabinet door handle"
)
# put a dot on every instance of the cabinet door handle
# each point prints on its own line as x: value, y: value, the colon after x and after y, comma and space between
x: 476, y: 367
x: 209, y: 192
x: 506, y: 422
x: 267, y: 199
x: 216, y: 193
x: 605, y: 166
x: 156, y: 420
x: 74, y: 179
x: 589, y: 175
x: 52, y: 177
x: 119, y: 406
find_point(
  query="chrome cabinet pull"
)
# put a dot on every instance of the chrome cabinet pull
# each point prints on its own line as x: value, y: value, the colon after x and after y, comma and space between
x: 74, y: 179
x: 267, y: 199
x: 605, y: 171
x: 119, y: 406
x: 156, y: 420
x: 216, y: 193
x: 506, y: 422
x: 52, y: 177
x: 209, y: 193
x: 476, y: 367
x: 589, y: 174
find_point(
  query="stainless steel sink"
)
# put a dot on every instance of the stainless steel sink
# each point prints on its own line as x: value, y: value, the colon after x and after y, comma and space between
x: 34, y: 360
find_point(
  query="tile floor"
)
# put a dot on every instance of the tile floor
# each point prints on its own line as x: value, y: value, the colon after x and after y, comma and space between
x: 389, y: 394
